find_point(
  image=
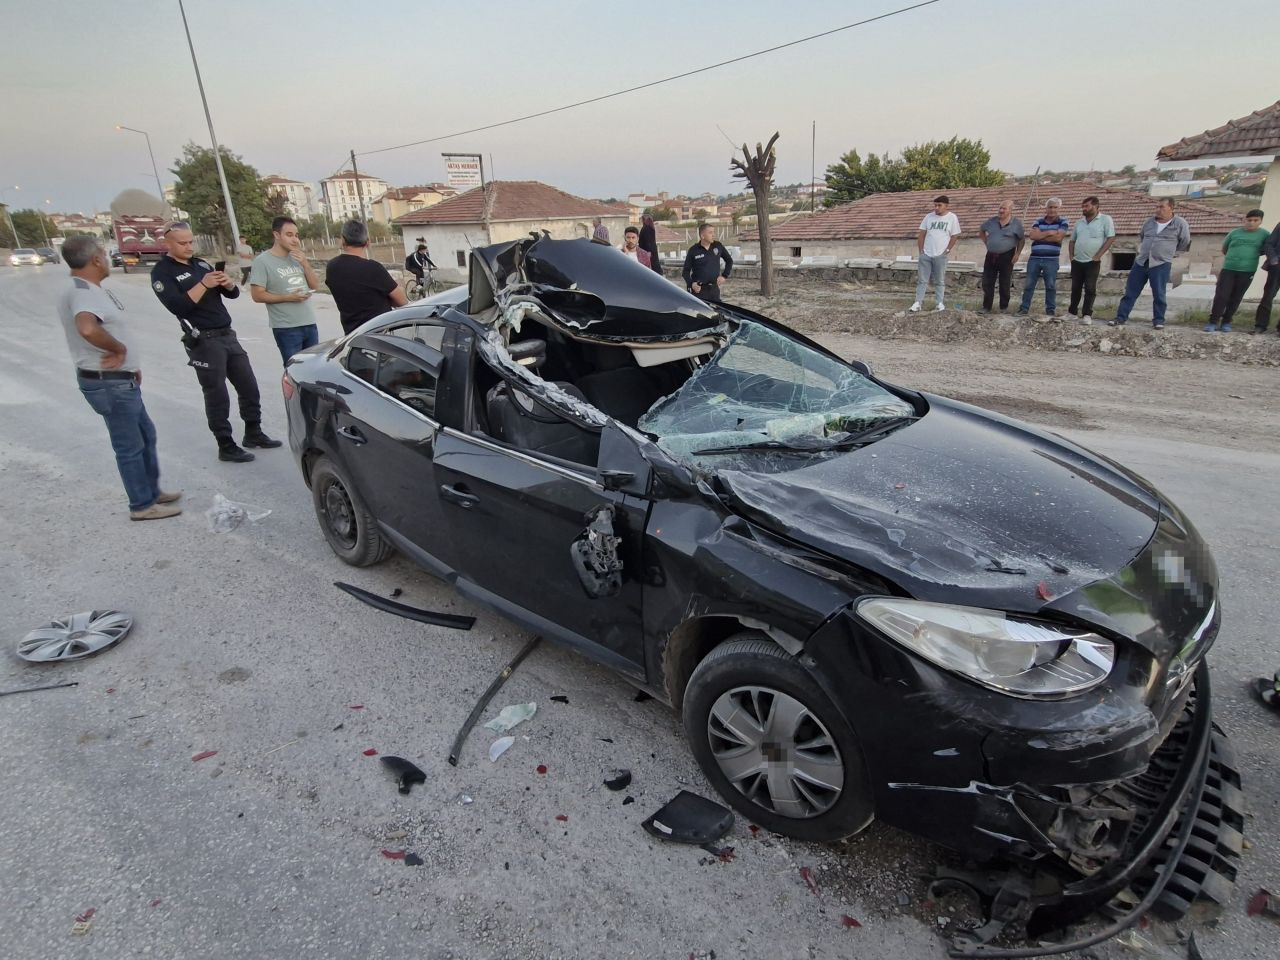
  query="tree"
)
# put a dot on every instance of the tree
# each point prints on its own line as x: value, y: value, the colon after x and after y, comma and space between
x: 1253, y: 190
x: 757, y: 170
x: 936, y: 165
x: 700, y: 213
x: 199, y: 192
x: 33, y: 227
x: 1128, y: 170
x: 660, y: 213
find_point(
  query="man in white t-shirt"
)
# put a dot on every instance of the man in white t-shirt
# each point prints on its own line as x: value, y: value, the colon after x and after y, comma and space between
x: 939, y: 232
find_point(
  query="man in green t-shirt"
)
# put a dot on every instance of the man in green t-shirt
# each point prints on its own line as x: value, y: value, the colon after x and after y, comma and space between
x: 1242, y: 247
x: 282, y: 278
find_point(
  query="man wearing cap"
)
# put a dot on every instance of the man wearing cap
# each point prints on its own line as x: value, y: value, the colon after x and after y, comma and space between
x: 193, y: 291
x: 110, y: 376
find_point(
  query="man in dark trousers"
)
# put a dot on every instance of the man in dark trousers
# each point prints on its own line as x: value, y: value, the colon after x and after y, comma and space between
x: 419, y: 262
x: 703, y: 273
x: 362, y: 288
x: 193, y: 291
x: 1271, y: 264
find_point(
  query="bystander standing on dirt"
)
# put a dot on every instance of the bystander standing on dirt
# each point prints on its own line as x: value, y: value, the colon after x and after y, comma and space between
x: 362, y: 288
x: 1271, y: 264
x: 244, y: 258
x: 631, y: 247
x: 110, y: 377
x: 703, y: 273
x: 1046, y: 235
x: 1160, y: 240
x: 649, y: 243
x: 1242, y: 248
x: 1004, y: 237
x: 939, y: 232
x: 1091, y: 238
x: 282, y: 278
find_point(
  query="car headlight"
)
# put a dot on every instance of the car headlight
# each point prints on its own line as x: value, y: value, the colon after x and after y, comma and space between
x: 1023, y: 658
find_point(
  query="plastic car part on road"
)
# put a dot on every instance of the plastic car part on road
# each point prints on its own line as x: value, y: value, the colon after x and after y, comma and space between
x: 689, y: 818
x: 74, y: 637
x: 407, y: 773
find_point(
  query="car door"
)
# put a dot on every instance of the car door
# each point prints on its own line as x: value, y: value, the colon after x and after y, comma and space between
x: 522, y: 527
x: 385, y: 433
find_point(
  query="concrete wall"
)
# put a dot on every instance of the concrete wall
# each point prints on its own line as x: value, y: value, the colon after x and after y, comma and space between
x: 1270, y: 205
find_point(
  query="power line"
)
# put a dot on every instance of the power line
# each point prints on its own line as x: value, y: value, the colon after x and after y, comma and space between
x: 654, y: 83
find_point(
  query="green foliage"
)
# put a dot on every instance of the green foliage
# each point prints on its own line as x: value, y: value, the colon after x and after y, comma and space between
x: 28, y: 225
x: 660, y: 213
x: 200, y: 194
x: 936, y: 165
x: 1128, y: 170
x: 700, y: 213
x: 1253, y: 190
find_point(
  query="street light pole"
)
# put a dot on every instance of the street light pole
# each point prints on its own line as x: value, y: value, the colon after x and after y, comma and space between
x: 217, y: 151
x: 9, y: 216
x: 43, y: 228
x: 154, y: 170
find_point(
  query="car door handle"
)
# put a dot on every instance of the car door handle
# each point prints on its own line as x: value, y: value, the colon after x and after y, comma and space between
x: 459, y: 496
x: 352, y: 434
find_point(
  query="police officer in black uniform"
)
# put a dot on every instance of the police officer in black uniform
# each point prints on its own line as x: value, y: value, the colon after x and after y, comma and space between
x: 192, y: 291
x: 703, y: 273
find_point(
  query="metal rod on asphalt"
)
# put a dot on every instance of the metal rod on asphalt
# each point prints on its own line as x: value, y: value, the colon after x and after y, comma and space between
x: 52, y: 686
x: 154, y: 170
x: 217, y: 151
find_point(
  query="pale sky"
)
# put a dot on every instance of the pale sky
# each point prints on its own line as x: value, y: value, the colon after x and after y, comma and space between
x: 294, y: 86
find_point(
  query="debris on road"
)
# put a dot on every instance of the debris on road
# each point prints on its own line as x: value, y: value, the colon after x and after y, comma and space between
x: 226, y: 515
x: 562, y: 818
x: 451, y: 620
x: 498, y: 748
x: 282, y: 746
x: 407, y: 773
x: 394, y: 854
x: 456, y: 750
x: 396, y: 592
x: 689, y: 818
x: 413, y: 860
x: 559, y: 698
x: 542, y: 769
x: 51, y: 686
x: 204, y: 755
x: 628, y: 799
x: 75, y: 636
x: 371, y: 752
x: 848, y: 922
x: 806, y: 874
x: 84, y: 921
x: 618, y: 779
x: 356, y: 706
x: 511, y: 716
x: 1263, y: 904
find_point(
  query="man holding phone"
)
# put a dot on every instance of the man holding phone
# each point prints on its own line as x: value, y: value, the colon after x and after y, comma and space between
x: 282, y: 278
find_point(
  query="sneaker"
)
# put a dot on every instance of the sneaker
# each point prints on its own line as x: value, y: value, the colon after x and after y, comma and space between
x: 915, y: 307
x: 256, y: 438
x: 1087, y: 320
x: 234, y: 454
x: 1116, y: 323
x: 157, y: 511
x: 1021, y: 312
x: 1038, y: 318
x: 1157, y: 326
x: 1225, y: 328
x: 939, y: 308
x: 1210, y: 327
x: 1268, y: 691
x: 166, y: 497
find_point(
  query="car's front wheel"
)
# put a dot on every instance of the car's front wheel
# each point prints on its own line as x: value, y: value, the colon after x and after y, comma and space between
x: 773, y: 745
x: 347, y: 524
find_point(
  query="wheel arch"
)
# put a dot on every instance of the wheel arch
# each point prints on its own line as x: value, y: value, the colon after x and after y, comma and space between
x: 309, y: 458
x: 694, y: 638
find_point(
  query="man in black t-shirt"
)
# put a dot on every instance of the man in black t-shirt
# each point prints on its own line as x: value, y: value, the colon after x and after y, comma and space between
x: 362, y: 288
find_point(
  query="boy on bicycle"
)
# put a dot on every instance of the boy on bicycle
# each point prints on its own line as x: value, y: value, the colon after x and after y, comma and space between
x: 419, y: 262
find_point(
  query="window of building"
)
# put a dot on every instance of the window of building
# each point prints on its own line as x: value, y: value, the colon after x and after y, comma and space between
x: 462, y: 258
x: 795, y: 251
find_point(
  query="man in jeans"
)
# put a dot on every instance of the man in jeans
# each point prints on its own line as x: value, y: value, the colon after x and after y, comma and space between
x: 1162, y: 238
x: 1091, y: 238
x: 1271, y: 264
x: 1046, y: 235
x: 939, y: 233
x: 282, y: 278
x: 1004, y: 237
x: 110, y: 377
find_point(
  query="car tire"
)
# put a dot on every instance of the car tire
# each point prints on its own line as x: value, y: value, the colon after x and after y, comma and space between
x: 749, y: 674
x: 345, y: 521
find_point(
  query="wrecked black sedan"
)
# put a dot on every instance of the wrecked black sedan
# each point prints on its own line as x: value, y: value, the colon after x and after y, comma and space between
x: 865, y: 601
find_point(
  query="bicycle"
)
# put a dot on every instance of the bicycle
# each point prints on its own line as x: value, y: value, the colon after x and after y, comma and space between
x: 415, y: 289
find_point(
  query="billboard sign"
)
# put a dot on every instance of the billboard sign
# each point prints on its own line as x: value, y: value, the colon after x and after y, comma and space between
x: 463, y: 170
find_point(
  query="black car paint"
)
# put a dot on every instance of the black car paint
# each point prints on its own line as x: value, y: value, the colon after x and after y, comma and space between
x: 997, y: 523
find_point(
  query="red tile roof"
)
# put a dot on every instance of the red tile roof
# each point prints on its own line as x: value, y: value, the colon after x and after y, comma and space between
x: 276, y: 178
x: 884, y: 216
x: 408, y: 193
x: 348, y: 175
x: 509, y: 200
x: 1256, y: 135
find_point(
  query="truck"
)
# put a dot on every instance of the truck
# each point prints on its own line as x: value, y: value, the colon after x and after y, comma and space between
x: 138, y: 240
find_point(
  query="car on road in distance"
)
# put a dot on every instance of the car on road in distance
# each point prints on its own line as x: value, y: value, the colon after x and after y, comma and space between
x: 48, y: 255
x: 865, y: 601
x: 25, y: 257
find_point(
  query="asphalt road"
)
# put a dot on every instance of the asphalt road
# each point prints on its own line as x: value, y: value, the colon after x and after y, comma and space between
x: 272, y: 847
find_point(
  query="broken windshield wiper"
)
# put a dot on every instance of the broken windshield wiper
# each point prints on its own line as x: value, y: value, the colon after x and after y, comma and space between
x: 816, y: 444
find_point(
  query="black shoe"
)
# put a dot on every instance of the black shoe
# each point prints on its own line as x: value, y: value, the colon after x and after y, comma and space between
x: 1116, y: 323
x: 256, y: 438
x: 234, y: 454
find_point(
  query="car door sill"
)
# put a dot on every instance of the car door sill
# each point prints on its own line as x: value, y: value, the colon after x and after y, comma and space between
x: 418, y: 555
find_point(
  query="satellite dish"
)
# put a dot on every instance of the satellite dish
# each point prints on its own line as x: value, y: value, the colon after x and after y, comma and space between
x: 137, y: 203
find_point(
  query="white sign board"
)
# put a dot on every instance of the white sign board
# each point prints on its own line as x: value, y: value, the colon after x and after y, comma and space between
x: 463, y: 172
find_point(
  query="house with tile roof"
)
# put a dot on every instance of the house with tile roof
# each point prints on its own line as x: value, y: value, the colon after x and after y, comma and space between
x: 398, y: 201
x: 500, y: 211
x: 884, y: 225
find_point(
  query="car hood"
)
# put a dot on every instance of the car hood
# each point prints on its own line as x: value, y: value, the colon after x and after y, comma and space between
x: 963, y: 506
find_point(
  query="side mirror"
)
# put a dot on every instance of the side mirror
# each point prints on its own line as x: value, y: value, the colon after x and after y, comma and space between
x: 862, y: 367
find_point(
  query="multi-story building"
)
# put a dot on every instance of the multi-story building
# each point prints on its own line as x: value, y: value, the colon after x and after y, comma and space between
x: 299, y: 198
x: 171, y: 198
x: 342, y: 199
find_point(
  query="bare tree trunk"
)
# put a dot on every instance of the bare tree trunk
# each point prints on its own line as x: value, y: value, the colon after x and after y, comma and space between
x: 757, y: 170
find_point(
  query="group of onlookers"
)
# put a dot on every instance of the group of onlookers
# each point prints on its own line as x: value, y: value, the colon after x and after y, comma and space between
x: 1163, y: 237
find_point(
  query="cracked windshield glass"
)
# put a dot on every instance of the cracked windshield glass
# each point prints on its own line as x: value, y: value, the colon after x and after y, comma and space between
x: 765, y: 388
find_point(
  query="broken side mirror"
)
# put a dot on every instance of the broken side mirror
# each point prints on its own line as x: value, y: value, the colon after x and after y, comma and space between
x: 862, y: 367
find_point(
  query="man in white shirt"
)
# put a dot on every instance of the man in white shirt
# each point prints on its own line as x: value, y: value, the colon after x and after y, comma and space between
x: 110, y: 376
x: 939, y: 232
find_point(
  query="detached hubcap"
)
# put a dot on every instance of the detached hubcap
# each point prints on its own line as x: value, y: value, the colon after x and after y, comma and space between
x: 775, y: 751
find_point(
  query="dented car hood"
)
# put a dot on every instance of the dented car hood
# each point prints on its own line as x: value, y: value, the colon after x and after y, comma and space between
x: 593, y: 292
x: 961, y: 498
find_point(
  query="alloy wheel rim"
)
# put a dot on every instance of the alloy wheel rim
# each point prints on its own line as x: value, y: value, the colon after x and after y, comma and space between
x: 339, y: 513
x: 775, y: 752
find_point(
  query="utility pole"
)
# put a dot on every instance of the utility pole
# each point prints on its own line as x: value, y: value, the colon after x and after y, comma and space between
x: 813, y: 164
x: 217, y: 151
x: 9, y: 216
x: 355, y: 171
x: 155, y: 172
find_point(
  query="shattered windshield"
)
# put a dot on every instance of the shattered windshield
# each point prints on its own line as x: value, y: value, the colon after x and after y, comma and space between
x: 764, y: 394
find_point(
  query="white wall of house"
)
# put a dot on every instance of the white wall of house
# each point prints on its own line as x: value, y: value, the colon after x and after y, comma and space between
x: 1270, y: 205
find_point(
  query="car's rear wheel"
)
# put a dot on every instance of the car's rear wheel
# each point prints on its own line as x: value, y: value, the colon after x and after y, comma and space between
x: 347, y: 524
x: 773, y: 745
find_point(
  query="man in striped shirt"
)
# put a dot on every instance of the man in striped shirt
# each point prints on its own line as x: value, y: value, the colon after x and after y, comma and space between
x: 1046, y: 236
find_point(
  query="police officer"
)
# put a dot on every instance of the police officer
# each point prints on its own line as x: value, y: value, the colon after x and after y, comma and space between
x: 192, y: 291
x: 703, y: 273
